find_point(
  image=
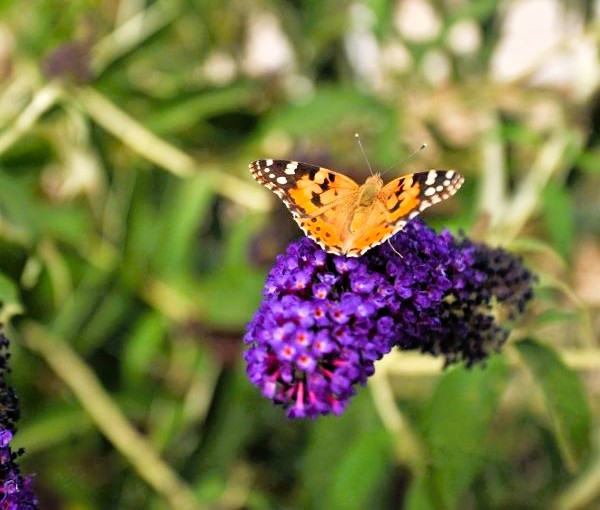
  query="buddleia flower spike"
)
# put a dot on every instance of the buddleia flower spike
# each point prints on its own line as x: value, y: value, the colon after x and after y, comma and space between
x: 325, y: 319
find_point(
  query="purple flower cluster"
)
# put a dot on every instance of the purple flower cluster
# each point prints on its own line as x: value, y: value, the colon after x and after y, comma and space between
x: 15, y: 490
x: 326, y: 319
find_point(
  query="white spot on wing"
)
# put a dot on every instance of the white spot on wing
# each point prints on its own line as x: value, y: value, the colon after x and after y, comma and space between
x: 431, y: 175
x: 269, y: 162
x: 290, y: 168
x: 429, y: 191
x: 281, y: 180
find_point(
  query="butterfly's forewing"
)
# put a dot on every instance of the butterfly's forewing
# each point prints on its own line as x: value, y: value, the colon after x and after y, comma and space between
x: 407, y: 196
x: 401, y: 200
x: 319, y: 199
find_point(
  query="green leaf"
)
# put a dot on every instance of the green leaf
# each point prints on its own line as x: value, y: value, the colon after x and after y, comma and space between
x: 419, y: 494
x: 458, y: 418
x: 558, y: 214
x: 10, y: 304
x: 25, y: 211
x: 185, y: 113
x: 359, y: 471
x: 327, y: 107
x: 589, y: 161
x: 143, y: 347
x: 186, y: 207
x: 231, y: 293
x: 554, y: 316
x: 357, y: 451
x: 234, y: 420
x: 565, y: 399
x: 54, y: 426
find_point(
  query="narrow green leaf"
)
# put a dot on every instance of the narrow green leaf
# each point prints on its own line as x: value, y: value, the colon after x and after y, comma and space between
x: 184, y: 113
x: 565, y: 398
x: 558, y: 214
x: 143, y: 346
x: 185, y: 209
x: 327, y: 107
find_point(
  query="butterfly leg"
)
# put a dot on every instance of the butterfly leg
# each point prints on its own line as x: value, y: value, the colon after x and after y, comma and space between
x: 394, y: 249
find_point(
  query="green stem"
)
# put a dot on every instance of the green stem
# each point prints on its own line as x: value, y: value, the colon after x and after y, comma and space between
x: 584, y: 491
x: 551, y: 159
x: 141, y: 140
x: 492, y: 190
x: 132, y: 33
x: 414, y: 364
x: 74, y: 372
x: 41, y: 102
x: 409, y: 448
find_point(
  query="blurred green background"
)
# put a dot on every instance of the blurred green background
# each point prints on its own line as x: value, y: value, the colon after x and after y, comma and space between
x: 134, y: 245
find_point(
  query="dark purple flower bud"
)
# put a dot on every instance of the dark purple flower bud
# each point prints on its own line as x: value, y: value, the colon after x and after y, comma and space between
x: 70, y: 61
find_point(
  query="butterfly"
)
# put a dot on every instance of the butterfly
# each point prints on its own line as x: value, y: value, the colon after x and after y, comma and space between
x: 347, y: 218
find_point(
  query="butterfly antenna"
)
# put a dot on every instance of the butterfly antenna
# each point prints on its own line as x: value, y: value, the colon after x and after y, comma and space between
x: 363, y: 152
x: 423, y: 146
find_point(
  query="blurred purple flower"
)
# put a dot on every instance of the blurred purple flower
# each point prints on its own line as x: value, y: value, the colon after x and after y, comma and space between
x: 15, y: 490
x: 326, y: 319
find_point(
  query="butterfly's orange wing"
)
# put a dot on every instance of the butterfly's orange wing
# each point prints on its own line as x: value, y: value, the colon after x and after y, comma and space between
x: 325, y: 204
x: 401, y: 200
x: 320, y: 200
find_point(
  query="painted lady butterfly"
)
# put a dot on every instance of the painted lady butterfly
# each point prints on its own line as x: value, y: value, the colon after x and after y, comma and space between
x: 344, y: 217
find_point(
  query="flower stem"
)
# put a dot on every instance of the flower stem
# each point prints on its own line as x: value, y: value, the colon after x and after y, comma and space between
x: 584, y: 490
x: 409, y: 364
x: 552, y: 159
x: 41, y: 102
x: 74, y: 372
x: 133, y: 32
x: 409, y: 448
x: 150, y: 146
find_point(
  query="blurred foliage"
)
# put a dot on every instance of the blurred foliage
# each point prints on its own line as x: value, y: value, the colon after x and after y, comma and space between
x: 134, y: 245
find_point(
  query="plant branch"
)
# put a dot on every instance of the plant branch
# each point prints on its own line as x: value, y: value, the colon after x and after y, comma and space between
x: 584, y: 490
x: 75, y: 373
x: 41, y: 102
x: 132, y: 33
x: 409, y: 448
x: 415, y: 364
x: 141, y: 140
